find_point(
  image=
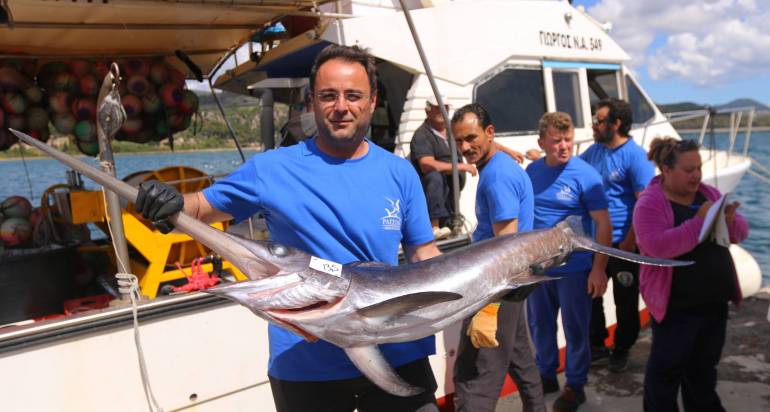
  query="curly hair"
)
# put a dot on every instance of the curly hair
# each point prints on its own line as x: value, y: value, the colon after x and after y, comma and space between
x: 618, y: 109
x: 665, y: 151
x: 558, y: 120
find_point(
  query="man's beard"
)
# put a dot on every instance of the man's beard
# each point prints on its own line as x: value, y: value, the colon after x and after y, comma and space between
x: 605, y: 137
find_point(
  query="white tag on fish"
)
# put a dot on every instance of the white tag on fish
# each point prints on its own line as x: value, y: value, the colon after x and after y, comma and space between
x: 326, y: 266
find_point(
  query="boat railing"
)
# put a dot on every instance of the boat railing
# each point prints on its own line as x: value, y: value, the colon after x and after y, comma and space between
x: 734, y: 126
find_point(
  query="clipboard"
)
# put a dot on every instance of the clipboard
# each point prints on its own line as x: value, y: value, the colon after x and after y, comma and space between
x: 716, y: 212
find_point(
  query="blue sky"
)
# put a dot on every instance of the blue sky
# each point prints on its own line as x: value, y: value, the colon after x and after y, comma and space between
x: 705, y: 51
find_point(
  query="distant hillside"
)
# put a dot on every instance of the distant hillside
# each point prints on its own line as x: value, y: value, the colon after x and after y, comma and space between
x: 226, y: 98
x: 745, y: 103
x: 679, y: 107
x: 737, y: 103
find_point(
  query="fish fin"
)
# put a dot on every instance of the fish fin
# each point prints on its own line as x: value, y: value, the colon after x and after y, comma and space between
x: 369, y: 360
x: 588, y: 244
x: 525, y: 284
x: 407, y: 303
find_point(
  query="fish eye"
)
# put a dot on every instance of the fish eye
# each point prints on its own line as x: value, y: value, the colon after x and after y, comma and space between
x: 278, y: 250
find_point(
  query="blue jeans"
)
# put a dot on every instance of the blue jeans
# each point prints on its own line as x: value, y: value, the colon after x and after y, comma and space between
x: 570, y: 294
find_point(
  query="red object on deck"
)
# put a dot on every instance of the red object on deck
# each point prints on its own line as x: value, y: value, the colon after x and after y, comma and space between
x: 87, y: 303
x: 198, y: 280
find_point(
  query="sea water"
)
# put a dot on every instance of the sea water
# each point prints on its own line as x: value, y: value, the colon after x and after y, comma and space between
x: 30, y: 177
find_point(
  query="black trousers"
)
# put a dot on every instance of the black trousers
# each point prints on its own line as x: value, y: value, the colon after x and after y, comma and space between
x: 686, y: 348
x: 626, y: 307
x: 438, y: 194
x: 357, y: 393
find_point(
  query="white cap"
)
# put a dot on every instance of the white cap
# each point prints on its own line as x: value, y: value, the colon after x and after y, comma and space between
x: 433, y: 102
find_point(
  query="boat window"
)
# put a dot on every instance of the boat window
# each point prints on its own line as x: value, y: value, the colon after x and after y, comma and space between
x: 601, y: 85
x: 566, y: 86
x: 640, y: 106
x: 514, y: 98
x: 392, y: 86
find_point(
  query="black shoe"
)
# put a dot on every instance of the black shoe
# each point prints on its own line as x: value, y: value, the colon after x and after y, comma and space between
x: 549, y: 385
x: 599, y: 354
x: 569, y: 400
x: 618, y: 361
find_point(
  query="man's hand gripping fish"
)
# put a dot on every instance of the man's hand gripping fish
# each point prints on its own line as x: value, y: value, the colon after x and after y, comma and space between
x: 359, y: 305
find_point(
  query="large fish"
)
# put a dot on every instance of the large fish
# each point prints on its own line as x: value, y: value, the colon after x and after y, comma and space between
x: 357, y: 306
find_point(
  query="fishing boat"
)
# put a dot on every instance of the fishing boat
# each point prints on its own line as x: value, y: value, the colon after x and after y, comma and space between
x: 518, y: 58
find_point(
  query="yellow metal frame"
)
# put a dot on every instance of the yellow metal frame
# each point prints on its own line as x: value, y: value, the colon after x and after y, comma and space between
x: 156, y: 248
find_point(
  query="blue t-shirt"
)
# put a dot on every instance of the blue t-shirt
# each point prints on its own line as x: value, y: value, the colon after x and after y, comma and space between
x: 625, y: 171
x: 336, y: 209
x: 504, y: 193
x: 574, y: 188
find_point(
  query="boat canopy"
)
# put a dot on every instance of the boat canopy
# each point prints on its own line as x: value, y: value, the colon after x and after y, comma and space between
x: 463, y: 40
x: 205, y: 30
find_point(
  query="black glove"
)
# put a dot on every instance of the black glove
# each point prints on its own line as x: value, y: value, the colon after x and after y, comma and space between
x: 158, y: 201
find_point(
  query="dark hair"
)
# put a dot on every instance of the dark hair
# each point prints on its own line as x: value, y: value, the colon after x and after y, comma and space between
x: 558, y: 120
x: 476, y: 109
x: 351, y: 54
x: 665, y: 151
x: 619, y: 109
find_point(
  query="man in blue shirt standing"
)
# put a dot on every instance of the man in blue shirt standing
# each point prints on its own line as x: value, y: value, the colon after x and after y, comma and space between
x: 625, y: 173
x: 338, y: 197
x: 564, y: 186
x: 496, y: 340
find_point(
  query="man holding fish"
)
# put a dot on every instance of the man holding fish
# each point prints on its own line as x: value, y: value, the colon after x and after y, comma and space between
x: 342, y: 199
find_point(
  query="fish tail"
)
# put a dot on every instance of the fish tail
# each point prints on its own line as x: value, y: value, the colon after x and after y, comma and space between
x: 586, y: 243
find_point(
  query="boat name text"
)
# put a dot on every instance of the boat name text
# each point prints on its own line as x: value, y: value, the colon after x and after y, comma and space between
x: 569, y: 41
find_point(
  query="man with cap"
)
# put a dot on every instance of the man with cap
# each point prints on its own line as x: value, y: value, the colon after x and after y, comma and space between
x: 431, y: 156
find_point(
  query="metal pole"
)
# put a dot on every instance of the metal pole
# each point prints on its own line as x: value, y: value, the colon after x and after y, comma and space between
x: 108, y: 123
x: 266, y: 124
x: 440, y: 100
x: 712, y: 137
x: 227, y: 122
x: 749, y: 126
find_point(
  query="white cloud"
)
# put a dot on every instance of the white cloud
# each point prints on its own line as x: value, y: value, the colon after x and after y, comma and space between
x: 707, y: 42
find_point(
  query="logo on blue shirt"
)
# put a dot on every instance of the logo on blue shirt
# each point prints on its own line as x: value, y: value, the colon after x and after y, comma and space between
x: 616, y: 175
x: 565, y: 193
x: 392, y: 219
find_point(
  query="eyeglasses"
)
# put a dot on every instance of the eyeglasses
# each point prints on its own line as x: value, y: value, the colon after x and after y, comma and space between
x: 330, y: 97
x: 595, y: 120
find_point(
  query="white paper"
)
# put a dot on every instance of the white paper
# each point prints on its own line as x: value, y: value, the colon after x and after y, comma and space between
x: 326, y: 266
x: 716, y: 212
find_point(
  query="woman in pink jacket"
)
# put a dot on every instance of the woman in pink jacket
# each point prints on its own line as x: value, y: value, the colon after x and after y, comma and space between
x: 688, y: 304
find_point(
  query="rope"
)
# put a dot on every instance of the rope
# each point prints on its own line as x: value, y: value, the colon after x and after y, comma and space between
x: 759, y: 166
x: 760, y: 177
x: 128, y: 284
x: 26, y: 171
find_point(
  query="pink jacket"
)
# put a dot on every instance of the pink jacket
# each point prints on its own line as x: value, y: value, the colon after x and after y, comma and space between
x: 656, y: 236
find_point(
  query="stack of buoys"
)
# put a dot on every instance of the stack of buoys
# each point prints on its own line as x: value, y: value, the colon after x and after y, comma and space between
x: 152, y: 92
x: 156, y: 101
x: 21, y: 102
x: 16, y: 222
x: 71, y: 88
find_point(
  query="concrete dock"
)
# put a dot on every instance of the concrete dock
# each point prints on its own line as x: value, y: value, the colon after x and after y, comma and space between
x: 744, y: 372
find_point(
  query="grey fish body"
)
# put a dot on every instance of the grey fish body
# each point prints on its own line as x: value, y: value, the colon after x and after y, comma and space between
x: 359, y: 305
